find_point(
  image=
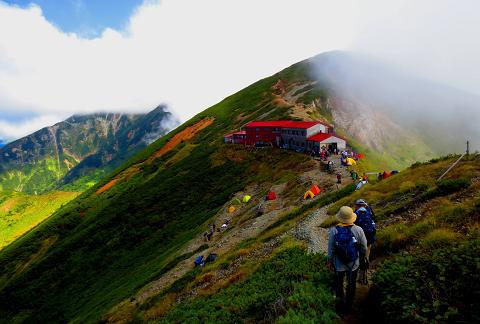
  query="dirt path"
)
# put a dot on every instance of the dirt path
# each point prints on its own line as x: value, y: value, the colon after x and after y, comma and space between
x: 248, y: 221
x: 222, y: 245
x: 316, y: 237
x: 309, y: 231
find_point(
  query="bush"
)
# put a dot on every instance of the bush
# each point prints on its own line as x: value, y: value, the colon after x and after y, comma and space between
x: 292, y: 285
x: 453, y: 215
x: 440, y: 237
x: 391, y: 239
x: 442, y: 286
x: 407, y: 186
x: 446, y: 187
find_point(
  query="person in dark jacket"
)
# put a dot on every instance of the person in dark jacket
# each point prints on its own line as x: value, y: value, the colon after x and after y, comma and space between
x: 345, y: 270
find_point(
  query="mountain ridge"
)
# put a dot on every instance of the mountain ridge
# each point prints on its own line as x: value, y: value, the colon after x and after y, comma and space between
x: 91, y: 260
x: 82, y: 146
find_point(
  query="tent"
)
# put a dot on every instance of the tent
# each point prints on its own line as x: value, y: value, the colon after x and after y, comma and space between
x: 211, y: 257
x: 231, y: 209
x: 361, y: 184
x: 350, y: 161
x: 236, y: 201
x: 246, y: 198
x: 309, y: 195
x: 271, y: 196
x: 198, y: 260
x: 315, y: 190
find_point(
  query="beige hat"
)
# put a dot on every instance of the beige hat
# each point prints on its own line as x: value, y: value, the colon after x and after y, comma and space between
x: 346, y: 215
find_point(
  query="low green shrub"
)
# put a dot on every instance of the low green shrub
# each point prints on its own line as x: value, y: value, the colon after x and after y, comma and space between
x: 291, y: 286
x: 425, y: 286
x: 440, y: 237
x: 391, y: 239
x: 446, y: 187
x: 453, y: 215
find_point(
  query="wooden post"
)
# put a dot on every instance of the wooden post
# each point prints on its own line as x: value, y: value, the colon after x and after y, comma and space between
x: 451, y: 167
x: 468, y: 147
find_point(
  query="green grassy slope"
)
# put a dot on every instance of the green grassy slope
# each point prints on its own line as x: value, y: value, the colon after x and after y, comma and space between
x: 107, y: 246
x: 425, y: 260
x: 429, y: 236
x: 102, y: 248
x: 21, y: 212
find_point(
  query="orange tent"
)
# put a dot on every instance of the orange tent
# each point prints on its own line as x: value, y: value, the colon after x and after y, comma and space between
x: 315, y: 190
x: 308, y: 195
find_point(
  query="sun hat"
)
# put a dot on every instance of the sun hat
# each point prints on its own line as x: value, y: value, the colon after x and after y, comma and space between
x: 346, y: 215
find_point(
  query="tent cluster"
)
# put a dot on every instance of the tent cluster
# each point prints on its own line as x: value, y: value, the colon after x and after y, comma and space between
x: 312, y: 192
x: 386, y: 174
x: 347, y: 161
x: 237, y: 201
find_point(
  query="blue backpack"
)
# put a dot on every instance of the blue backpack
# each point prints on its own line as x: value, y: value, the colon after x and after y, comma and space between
x: 366, y: 222
x: 345, y: 245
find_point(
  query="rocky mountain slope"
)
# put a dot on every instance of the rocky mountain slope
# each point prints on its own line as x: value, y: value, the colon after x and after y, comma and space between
x: 123, y: 250
x: 75, y: 153
x: 376, y: 103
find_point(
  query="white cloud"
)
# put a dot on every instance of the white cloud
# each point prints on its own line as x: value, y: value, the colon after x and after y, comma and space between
x: 12, y: 130
x: 191, y: 54
x: 436, y: 39
x: 187, y: 53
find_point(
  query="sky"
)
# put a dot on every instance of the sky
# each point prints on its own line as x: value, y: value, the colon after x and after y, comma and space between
x: 58, y: 58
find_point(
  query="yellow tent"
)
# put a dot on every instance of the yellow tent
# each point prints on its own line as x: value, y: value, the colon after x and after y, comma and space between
x: 351, y: 161
x: 308, y: 194
x: 231, y: 209
x: 246, y: 198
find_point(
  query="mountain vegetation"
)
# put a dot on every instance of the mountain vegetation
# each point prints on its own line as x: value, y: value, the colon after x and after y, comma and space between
x: 123, y: 250
x: 72, y: 155
x: 21, y: 212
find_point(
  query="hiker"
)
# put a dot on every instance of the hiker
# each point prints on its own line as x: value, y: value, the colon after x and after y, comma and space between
x: 354, y: 175
x: 209, y: 235
x: 347, y: 246
x: 339, y: 178
x: 359, y: 203
x: 366, y: 221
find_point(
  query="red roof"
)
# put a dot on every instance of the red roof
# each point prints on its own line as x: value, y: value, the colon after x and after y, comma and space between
x: 283, y: 123
x: 319, y: 137
x: 236, y: 133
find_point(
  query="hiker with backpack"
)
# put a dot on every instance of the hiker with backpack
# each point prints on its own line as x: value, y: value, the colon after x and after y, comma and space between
x: 347, y: 246
x: 339, y: 178
x: 359, y: 203
x: 366, y: 220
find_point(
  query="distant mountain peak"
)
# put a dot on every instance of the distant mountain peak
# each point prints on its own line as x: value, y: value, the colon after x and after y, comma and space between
x: 81, y: 146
